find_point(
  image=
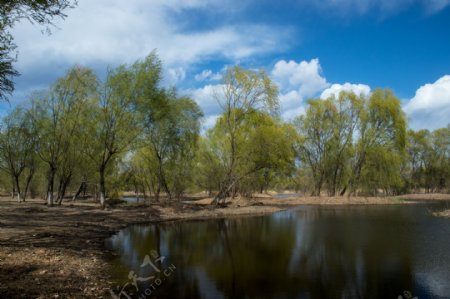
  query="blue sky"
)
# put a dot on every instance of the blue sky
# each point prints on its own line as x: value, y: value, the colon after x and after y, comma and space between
x: 310, y: 48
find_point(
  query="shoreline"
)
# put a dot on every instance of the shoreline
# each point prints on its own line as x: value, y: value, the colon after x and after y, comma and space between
x: 60, y: 251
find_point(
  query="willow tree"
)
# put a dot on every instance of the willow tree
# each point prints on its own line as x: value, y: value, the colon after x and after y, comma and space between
x: 56, y: 116
x: 243, y: 92
x: 343, y: 137
x: 169, y: 142
x: 113, y: 121
x: 419, y: 146
x: 382, y: 124
x: 17, y: 149
x: 268, y: 147
x: 316, y: 130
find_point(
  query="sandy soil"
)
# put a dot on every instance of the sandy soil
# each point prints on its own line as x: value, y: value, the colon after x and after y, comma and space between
x: 59, y: 252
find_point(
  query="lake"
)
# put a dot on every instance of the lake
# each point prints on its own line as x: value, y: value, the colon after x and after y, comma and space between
x: 382, y: 251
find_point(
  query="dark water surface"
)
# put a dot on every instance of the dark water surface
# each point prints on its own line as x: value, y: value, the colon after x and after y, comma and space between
x: 307, y: 252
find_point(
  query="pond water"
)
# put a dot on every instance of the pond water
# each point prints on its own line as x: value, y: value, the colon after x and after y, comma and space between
x: 287, y: 195
x: 133, y: 199
x: 306, y: 252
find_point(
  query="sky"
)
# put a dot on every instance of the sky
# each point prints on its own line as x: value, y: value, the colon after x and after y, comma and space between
x: 309, y: 48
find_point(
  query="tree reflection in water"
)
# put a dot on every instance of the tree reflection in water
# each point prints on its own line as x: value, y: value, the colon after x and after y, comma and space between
x: 312, y: 252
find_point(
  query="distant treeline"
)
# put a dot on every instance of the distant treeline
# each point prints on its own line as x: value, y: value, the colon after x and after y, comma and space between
x: 129, y: 133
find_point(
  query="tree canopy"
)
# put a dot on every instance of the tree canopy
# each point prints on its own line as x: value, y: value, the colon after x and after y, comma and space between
x: 42, y: 12
x: 84, y: 135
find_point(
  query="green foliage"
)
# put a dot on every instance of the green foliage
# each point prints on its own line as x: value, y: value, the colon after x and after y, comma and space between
x: 41, y: 12
x: 263, y: 153
x: 428, y: 165
x: 56, y: 116
x: 114, y: 120
x: 244, y: 93
x: 349, y: 137
x: 17, y: 150
x: 127, y: 133
x: 169, y: 142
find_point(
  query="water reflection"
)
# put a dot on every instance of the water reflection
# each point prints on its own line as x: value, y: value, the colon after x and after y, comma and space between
x: 311, y: 252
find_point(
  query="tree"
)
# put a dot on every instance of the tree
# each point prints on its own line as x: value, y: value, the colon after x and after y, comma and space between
x: 113, y: 122
x: 268, y: 146
x: 42, y: 12
x: 17, y: 149
x: 208, y: 167
x: 382, y: 124
x: 418, y: 149
x: 244, y: 91
x: 339, y: 135
x: 57, y: 118
x: 170, y: 134
x: 316, y: 129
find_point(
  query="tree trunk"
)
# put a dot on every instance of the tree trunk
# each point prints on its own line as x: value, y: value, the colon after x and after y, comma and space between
x: 162, y: 179
x: 354, y: 182
x: 27, y: 183
x: 343, y: 191
x: 64, y: 182
x: 80, y: 189
x: 13, y: 193
x: 224, y: 190
x: 17, y: 183
x: 51, y: 181
x: 158, y: 190
x: 230, y: 180
x: 144, y: 193
x: 102, y: 187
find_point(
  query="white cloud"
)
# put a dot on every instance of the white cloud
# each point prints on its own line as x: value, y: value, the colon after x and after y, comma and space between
x: 207, y: 75
x: 304, y: 76
x: 386, y: 7
x: 290, y: 99
x: 297, y: 81
x: 335, y: 90
x: 174, y: 75
x: 203, y: 75
x: 430, y: 107
x: 290, y: 114
x: 110, y: 32
x: 206, y: 97
x: 209, y: 121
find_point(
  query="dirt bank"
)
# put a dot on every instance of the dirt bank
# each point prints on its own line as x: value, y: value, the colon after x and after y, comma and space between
x: 59, y: 252
x: 294, y: 200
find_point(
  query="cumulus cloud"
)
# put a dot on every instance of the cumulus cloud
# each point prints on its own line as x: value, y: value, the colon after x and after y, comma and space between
x: 305, y: 75
x: 207, y: 75
x: 430, y: 107
x: 335, y: 90
x: 106, y: 33
x: 203, y: 75
x: 209, y: 121
x: 206, y: 97
x: 290, y: 114
x: 174, y: 75
x: 297, y: 81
